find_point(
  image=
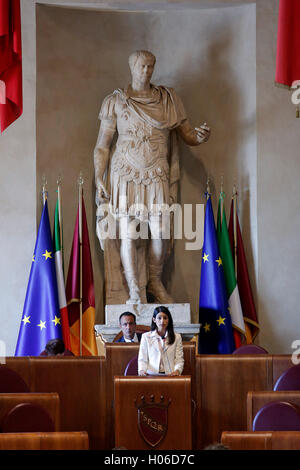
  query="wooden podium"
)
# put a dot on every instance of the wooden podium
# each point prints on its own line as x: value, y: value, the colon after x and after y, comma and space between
x: 153, y: 412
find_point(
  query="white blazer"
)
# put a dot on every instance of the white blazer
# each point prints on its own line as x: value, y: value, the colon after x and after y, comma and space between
x: 150, y: 354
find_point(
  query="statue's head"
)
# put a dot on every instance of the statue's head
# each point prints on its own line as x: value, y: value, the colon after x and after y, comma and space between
x: 142, y: 64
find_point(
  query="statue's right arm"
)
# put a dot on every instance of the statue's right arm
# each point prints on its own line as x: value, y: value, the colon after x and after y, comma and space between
x: 101, y: 156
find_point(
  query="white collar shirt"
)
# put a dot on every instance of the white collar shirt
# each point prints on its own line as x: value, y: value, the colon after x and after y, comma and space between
x: 134, y: 340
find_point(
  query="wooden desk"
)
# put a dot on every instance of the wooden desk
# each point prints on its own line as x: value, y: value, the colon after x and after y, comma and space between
x: 153, y: 412
x: 117, y: 357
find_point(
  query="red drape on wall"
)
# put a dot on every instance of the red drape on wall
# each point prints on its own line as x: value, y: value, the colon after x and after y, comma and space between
x: 288, y: 43
x: 11, y: 101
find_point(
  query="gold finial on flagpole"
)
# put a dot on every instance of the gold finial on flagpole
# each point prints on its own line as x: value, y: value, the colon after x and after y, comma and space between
x: 222, y: 194
x: 234, y: 187
x: 58, y: 182
x: 207, y: 187
x: 234, y: 190
x: 44, y: 188
x: 222, y: 183
x: 80, y: 180
x: 234, y: 197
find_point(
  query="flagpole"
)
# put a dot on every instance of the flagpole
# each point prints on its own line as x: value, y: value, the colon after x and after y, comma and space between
x: 80, y: 192
x: 234, y: 197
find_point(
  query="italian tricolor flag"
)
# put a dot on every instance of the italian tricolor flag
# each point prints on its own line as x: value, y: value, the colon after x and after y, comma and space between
x: 234, y: 302
x: 242, y: 274
x: 57, y: 242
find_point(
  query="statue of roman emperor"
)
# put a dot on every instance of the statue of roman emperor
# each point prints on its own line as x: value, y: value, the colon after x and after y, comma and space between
x: 140, y: 174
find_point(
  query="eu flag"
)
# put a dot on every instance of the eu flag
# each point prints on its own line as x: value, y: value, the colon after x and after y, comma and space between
x: 216, y: 334
x: 41, y: 317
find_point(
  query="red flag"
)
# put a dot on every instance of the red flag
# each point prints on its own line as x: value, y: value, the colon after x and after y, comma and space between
x: 246, y: 296
x: 11, y: 100
x: 89, y: 347
x: 288, y: 43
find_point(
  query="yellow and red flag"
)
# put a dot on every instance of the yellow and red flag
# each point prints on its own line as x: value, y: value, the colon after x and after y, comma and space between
x: 80, y: 290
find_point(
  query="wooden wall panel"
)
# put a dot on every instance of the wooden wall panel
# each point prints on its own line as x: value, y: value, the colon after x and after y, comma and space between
x: 223, y: 383
x: 117, y: 357
x: 21, y: 365
x: 80, y: 384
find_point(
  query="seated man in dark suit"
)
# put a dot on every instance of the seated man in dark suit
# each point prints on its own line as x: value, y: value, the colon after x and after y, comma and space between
x: 127, y: 322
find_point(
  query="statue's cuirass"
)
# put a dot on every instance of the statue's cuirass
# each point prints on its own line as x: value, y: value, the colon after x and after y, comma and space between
x: 141, y: 151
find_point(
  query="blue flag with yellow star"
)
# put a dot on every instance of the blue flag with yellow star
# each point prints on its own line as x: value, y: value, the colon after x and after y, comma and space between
x: 216, y: 334
x: 41, y: 317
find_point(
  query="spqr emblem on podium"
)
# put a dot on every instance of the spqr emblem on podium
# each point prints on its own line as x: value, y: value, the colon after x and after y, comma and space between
x: 153, y: 419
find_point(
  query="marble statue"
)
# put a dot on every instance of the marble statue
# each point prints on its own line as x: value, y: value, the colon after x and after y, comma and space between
x: 139, y: 174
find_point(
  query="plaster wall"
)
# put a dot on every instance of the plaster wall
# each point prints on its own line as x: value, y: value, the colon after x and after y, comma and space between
x: 83, y: 55
x: 267, y: 173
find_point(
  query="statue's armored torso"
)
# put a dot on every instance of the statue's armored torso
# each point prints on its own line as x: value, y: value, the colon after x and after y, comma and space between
x: 141, y: 151
x: 139, y: 169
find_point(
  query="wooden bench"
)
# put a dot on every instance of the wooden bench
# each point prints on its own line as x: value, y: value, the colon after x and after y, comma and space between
x: 44, y: 441
x: 261, y: 440
x: 48, y: 401
x: 256, y: 400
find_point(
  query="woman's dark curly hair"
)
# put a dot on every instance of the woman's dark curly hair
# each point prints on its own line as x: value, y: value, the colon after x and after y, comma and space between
x: 170, y: 327
x: 55, y: 346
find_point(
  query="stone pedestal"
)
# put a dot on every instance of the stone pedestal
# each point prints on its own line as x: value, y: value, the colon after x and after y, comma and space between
x: 181, y: 314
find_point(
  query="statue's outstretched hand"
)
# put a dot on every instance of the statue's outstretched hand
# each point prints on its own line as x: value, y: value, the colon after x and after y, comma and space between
x: 102, y: 193
x: 203, y: 132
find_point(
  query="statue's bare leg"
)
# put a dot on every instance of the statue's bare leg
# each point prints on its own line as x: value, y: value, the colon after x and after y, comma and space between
x: 128, y: 254
x: 156, y: 257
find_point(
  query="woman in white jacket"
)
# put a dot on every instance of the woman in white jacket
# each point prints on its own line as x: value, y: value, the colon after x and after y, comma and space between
x: 161, y: 349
